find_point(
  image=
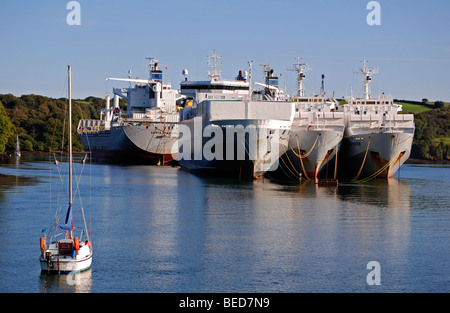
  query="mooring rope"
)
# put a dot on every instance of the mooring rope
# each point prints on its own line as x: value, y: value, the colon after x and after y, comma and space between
x: 304, y: 156
x: 364, y: 161
x: 397, y: 157
x: 293, y: 167
x: 298, y: 175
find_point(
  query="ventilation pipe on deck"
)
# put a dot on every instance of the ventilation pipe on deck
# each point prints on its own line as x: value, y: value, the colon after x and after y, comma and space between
x: 108, y: 108
x: 157, y: 90
x: 116, y: 102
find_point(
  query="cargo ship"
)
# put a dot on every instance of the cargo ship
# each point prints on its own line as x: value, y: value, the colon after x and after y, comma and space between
x: 249, y: 136
x: 316, y: 133
x: 377, y: 138
x: 146, y: 133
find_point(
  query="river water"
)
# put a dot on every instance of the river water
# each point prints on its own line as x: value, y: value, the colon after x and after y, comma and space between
x: 161, y: 229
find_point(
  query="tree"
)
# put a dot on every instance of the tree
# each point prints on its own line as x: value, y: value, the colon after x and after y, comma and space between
x: 6, y: 128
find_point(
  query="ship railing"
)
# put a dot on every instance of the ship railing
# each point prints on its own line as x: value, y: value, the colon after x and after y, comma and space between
x: 383, y: 126
x: 88, y: 126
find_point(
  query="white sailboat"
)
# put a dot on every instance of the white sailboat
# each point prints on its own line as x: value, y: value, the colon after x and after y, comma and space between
x: 17, y: 153
x: 61, y: 250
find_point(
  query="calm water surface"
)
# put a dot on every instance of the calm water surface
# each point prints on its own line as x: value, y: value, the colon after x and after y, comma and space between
x: 161, y: 229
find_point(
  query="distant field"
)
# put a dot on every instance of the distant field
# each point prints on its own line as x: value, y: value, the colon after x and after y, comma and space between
x: 445, y: 140
x: 414, y: 108
x: 408, y: 107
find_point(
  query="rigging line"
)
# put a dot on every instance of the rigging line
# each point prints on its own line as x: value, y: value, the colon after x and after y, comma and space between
x: 364, y: 160
x: 301, y: 160
x: 90, y: 185
x: 79, y: 195
x: 295, y: 176
x: 50, y: 179
x: 285, y: 171
x: 298, y: 174
x: 64, y: 126
x: 90, y: 197
x: 58, y: 207
x: 304, y: 156
x: 370, y: 177
x: 304, y: 171
x: 385, y: 166
x: 89, y: 144
x: 57, y: 167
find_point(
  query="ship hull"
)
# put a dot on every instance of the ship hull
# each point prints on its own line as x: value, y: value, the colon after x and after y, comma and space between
x: 152, y: 143
x: 310, y: 150
x: 253, y: 148
x: 65, y: 264
x: 374, y: 155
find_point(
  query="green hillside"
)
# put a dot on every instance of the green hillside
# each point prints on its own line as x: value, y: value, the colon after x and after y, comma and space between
x: 432, y: 135
x: 414, y: 108
x: 41, y: 121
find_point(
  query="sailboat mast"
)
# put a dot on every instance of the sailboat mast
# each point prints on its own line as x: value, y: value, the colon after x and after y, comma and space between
x: 70, y: 137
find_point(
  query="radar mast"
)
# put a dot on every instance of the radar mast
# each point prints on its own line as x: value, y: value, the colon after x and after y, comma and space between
x: 366, y: 71
x: 300, y: 68
x: 212, y: 62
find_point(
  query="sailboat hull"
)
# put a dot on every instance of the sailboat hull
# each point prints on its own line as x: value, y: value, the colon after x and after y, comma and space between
x: 65, y: 264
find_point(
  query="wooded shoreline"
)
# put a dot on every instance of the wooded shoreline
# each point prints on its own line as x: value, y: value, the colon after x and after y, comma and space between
x: 41, y: 124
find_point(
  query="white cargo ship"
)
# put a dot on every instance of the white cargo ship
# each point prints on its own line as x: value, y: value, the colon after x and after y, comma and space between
x: 377, y: 139
x: 316, y: 132
x: 148, y: 132
x: 249, y: 136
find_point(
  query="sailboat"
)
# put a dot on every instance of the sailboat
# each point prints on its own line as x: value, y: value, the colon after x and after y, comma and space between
x: 61, y: 250
x: 17, y: 153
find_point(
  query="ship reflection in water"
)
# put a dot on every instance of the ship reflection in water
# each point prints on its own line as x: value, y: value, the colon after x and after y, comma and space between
x: 80, y: 282
x: 186, y: 233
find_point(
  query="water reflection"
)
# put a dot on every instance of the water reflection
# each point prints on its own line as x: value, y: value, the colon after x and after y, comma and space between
x: 184, y: 233
x: 391, y: 193
x: 74, y: 283
x: 272, y: 234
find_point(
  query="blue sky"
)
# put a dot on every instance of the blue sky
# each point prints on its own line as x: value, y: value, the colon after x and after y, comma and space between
x: 411, y: 47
